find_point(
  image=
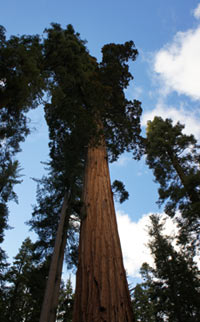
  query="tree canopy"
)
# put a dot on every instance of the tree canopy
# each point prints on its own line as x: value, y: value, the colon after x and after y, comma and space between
x: 174, y: 158
x: 170, y: 291
x: 21, y: 88
x: 84, y: 93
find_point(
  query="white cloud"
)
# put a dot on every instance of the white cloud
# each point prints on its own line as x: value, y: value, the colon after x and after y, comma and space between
x: 196, y: 12
x: 134, y: 239
x: 122, y: 161
x: 184, y: 116
x: 178, y: 64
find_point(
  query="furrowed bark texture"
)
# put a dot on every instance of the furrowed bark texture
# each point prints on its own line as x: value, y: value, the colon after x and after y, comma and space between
x: 101, y: 288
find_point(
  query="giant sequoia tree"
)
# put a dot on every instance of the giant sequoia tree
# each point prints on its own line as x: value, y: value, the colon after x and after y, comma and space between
x: 88, y: 108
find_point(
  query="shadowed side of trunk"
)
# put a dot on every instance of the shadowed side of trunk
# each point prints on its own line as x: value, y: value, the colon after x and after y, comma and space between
x: 49, y: 305
x: 101, y: 288
x: 55, y: 298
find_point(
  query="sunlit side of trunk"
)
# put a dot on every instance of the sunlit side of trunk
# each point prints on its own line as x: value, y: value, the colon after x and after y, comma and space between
x: 101, y: 289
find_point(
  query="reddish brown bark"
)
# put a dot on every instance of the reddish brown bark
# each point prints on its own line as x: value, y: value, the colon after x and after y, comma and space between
x: 101, y: 288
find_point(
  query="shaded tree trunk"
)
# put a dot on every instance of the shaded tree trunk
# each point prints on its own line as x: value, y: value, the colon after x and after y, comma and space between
x: 55, y: 298
x: 101, y: 287
x: 50, y: 301
x: 192, y: 194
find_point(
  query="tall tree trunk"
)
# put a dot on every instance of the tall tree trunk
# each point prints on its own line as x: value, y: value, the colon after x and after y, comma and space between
x: 55, y: 298
x: 192, y: 194
x: 49, y: 298
x: 101, y: 287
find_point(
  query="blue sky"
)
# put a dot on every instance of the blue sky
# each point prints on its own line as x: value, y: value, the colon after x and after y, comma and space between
x: 166, y: 80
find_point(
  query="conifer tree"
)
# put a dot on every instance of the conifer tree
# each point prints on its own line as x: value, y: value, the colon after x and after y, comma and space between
x: 25, y: 285
x: 66, y: 300
x: 175, y: 282
x: 25, y: 282
x: 88, y: 108
x: 174, y: 158
x: 55, y: 227
x: 21, y: 88
x: 143, y: 297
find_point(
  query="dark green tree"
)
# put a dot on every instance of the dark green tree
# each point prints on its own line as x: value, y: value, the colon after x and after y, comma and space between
x: 8, y: 177
x: 3, y: 285
x: 57, y: 230
x: 21, y: 88
x: 45, y: 216
x: 25, y: 283
x: 144, y: 303
x: 173, y: 286
x: 119, y: 191
x: 174, y: 158
x: 66, y: 300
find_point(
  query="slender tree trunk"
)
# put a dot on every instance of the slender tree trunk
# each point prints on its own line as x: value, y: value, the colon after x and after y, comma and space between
x: 55, y: 298
x: 101, y: 288
x: 55, y: 263
x: 192, y: 194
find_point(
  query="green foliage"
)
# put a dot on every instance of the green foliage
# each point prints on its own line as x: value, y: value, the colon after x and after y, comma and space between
x: 21, y: 85
x: 120, y: 193
x: 144, y: 305
x: 174, y: 158
x: 21, y: 72
x: 21, y: 88
x: 66, y: 300
x: 45, y: 216
x: 9, y: 176
x: 3, y: 287
x: 25, y: 281
x: 173, y: 286
x: 87, y: 98
x: 23, y: 288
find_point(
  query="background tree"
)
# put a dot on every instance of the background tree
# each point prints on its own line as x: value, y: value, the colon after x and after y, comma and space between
x: 174, y: 158
x: 25, y: 286
x: 21, y: 88
x: 25, y: 282
x: 66, y: 300
x: 143, y: 297
x: 172, y: 287
x: 54, y: 233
